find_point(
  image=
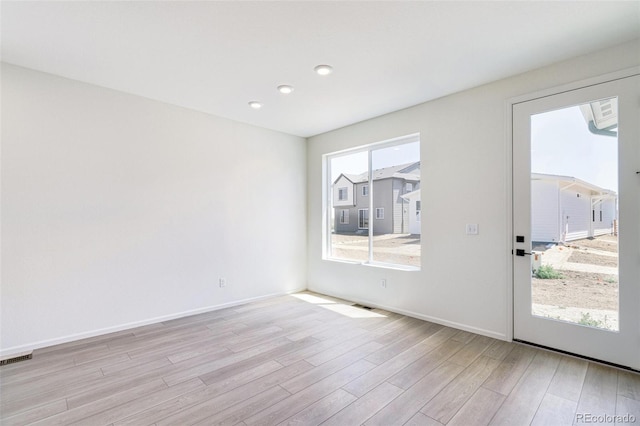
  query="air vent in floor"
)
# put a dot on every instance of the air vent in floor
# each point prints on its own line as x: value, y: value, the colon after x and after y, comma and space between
x: 15, y: 359
x: 368, y: 308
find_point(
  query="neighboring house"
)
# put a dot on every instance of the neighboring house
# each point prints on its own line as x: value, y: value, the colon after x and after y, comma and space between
x: 390, y: 209
x: 564, y: 208
x: 415, y: 211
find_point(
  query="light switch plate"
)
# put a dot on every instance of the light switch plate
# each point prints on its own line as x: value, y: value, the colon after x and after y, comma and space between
x: 472, y: 229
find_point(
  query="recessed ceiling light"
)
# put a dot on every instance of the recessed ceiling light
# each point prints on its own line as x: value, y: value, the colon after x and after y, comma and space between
x: 255, y: 104
x: 285, y: 89
x: 323, y: 69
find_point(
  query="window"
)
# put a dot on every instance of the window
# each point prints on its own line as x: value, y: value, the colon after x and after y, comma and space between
x: 343, y: 194
x: 378, y: 173
x: 363, y: 218
x: 418, y: 211
x: 344, y: 217
x: 600, y: 214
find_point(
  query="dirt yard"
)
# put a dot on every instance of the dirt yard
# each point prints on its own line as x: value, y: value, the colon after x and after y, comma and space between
x: 577, y: 289
x: 401, y: 249
x: 604, y: 242
x: 588, y: 283
x: 593, y: 259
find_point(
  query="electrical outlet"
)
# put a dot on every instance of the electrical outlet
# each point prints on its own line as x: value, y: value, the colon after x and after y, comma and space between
x: 383, y: 283
x: 222, y: 282
x: 472, y: 229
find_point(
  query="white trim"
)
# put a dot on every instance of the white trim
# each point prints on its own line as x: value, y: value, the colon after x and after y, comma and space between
x: 328, y: 218
x: 436, y: 320
x: 366, y: 146
x: 568, y: 87
x: 508, y: 149
x: 370, y: 209
x: 29, y: 347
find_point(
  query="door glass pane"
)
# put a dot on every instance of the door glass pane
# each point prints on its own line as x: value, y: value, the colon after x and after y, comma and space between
x: 349, y: 241
x: 396, y: 202
x: 574, y: 214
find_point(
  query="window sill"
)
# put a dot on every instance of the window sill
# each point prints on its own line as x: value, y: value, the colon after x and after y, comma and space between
x: 382, y: 265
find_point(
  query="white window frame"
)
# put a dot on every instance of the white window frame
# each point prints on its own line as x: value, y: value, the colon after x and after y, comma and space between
x: 408, y: 187
x: 344, y: 216
x: 344, y: 190
x: 365, y: 190
x: 329, y: 209
x: 379, y: 213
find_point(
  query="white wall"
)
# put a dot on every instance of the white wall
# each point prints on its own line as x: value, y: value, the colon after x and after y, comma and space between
x: 605, y: 226
x: 119, y: 211
x: 464, y: 280
x: 576, y: 212
x: 545, y: 213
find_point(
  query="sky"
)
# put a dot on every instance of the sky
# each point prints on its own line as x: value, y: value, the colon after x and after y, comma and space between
x: 561, y: 144
x: 392, y: 156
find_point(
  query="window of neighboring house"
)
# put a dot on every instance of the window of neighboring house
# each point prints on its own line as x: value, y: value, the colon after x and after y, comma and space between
x: 380, y: 169
x: 363, y: 218
x: 418, y: 210
x: 593, y: 215
x: 600, y: 214
x: 343, y: 194
x: 344, y: 216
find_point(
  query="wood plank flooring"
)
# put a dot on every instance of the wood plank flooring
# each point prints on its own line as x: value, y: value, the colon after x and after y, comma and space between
x: 307, y: 359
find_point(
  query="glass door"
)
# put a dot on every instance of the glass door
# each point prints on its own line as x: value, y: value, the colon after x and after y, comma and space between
x: 576, y: 221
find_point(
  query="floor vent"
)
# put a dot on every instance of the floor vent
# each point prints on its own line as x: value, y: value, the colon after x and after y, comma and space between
x: 368, y: 308
x: 16, y: 359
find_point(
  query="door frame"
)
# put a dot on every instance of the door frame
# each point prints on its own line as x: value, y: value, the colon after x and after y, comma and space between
x: 509, y: 103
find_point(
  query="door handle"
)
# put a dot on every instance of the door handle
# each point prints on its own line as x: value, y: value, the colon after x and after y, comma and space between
x: 521, y: 252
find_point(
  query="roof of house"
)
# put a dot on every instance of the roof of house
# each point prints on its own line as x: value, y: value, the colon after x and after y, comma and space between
x: 408, y: 171
x: 411, y: 195
x: 573, y: 180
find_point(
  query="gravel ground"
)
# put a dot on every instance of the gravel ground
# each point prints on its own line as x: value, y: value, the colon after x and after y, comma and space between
x: 402, y: 249
x: 593, y: 259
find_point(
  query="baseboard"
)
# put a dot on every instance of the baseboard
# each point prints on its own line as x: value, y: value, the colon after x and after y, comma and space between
x: 436, y: 320
x: 30, y: 347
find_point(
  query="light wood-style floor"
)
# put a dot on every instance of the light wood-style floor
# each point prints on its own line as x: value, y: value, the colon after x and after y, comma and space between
x: 308, y: 359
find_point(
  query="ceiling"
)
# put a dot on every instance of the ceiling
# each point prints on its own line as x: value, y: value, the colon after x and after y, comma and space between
x: 215, y: 57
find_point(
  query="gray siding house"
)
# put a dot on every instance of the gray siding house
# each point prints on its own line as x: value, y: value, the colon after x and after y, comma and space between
x: 390, y: 213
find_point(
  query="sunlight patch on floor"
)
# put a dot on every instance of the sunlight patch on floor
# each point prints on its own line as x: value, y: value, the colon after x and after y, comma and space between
x: 352, y: 311
x: 341, y: 308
